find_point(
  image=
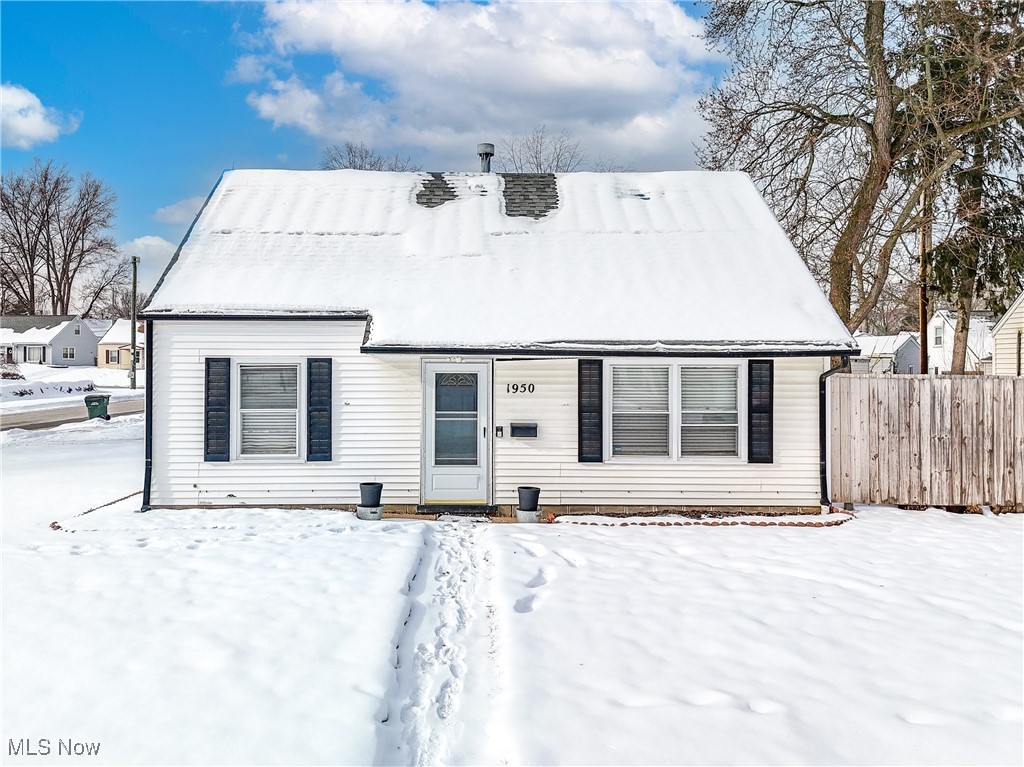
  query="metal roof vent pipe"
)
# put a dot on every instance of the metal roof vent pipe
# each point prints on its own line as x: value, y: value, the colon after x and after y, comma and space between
x: 486, y: 152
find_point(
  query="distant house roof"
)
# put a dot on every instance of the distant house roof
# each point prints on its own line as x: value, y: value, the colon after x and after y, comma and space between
x: 880, y: 346
x: 33, y: 329
x: 647, y: 262
x: 97, y: 326
x: 120, y: 333
x: 979, y: 334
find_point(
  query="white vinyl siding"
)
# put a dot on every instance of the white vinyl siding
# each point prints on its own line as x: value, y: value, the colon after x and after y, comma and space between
x: 375, y: 425
x: 710, y: 411
x: 1004, y: 341
x: 551, y: 460
x: 268, y: 410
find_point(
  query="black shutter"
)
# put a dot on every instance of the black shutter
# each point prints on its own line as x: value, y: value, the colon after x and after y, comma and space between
x: 759, y: 412
x: 591, y: 427
x: 318, y: 409
x: 217, y: 431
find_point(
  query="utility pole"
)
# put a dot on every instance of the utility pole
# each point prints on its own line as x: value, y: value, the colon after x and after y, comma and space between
x: 926, y: 246
x: 135, y: 293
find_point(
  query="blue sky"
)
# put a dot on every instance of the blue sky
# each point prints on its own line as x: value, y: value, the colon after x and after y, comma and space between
x: 157, y: 98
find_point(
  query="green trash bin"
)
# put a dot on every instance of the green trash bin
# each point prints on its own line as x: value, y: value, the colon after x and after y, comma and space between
x: 96, y: 404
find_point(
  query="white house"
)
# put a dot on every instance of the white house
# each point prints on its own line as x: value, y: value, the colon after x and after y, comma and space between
x: 940, y: 342
x: 47, y: 339
x: 624, y: 341
x: 1006, y: 340
x: 900, y: 353
x: 115, y: 347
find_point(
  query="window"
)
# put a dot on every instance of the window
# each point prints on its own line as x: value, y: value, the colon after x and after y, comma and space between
x: 78, y: 330
x: 938, y: 335
x: 113, y: 358
x: 67, y: 353
x: 640, y: 414
x: 138, y: 356
x: 709, y: 406
x: 268, y: 410
x: 677, y: 411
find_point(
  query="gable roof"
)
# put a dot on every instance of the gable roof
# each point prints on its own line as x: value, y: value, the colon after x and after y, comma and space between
x: 1010, y: 310
x: 120, y: 333
x: 878, y: 346
x: 98, y: 326
x: 979, y: 331
x: 647, y: 262
x: 33, y: 329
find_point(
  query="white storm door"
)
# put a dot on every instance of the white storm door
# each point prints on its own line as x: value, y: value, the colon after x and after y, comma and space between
x: 456, y: 457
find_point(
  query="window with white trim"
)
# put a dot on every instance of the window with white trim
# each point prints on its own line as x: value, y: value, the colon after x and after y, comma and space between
x: 709, y: 407
x: 678, y: 411
x: 78, y: 330
x: 268, y: 410
x: 938, y: 335
x: 67, y: 353
x: 640, y: 410
x: 33, y: 353
x: 113, y: 357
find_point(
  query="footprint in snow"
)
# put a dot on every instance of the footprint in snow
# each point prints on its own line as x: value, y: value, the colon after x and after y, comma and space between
x: 533, y: 549
x: 571, y: 558
x: 765, y: 706
x: 525, y: 604
x: 540, y: 579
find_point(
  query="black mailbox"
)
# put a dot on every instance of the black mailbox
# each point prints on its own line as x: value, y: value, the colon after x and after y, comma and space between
x: 523, y: 429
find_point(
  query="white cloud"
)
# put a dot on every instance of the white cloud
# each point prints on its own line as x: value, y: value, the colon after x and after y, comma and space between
x: 623, y: 77
x: 154, y: 254
x: 181, y: 212
x: 25, y: 122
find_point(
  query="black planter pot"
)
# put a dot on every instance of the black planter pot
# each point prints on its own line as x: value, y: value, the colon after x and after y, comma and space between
x: 529, y: 497
x: 369, y: 494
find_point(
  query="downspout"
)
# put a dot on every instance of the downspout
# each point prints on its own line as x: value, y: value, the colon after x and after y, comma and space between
x: 147, y: 477
x: 842, y: 367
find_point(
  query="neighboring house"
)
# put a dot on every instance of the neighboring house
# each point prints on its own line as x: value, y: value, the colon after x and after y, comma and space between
x: 1006, y: 340
x: 455, y: 336
x: 940, y: 342
x: 47, y: 339
x: 900, y: 353
x: 115, y: 348
x: 98, y: 326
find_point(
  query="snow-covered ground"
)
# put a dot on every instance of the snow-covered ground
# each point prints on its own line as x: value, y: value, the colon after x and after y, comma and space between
x: 49, y: 387
x: 271, y: 636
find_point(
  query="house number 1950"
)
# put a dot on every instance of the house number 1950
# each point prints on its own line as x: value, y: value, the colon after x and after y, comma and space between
x: 519, y: 388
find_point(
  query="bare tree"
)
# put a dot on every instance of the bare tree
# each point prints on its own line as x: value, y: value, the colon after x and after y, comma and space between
x: 358, y: 156
x: 116, y: 303
x: 539, y: 151
x: 827, y: 109
x: 57, y: 250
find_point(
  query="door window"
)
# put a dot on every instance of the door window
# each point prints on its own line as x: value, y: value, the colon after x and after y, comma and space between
x: 455, y: 419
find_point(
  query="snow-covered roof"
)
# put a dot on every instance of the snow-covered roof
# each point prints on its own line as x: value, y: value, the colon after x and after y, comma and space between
x: 979, y: 332
x: 882, y: 346
x: 652, y: 262
x: 33, y: 329
x: 120, y: 333
x: 98, y: 326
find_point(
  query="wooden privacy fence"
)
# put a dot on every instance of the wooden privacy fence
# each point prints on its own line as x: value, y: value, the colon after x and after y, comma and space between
x: 927, y: 440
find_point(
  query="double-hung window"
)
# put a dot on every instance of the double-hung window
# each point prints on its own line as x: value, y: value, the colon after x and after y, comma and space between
x: 112, y: 357
x: 67, y: 353
x: 640, y: 410
x: 678, y: 411
x: 709, y: 407
x: 938, y: 335
x: 268, y: 410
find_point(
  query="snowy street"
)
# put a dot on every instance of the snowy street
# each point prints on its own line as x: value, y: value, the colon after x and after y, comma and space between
x: 285, y: 637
